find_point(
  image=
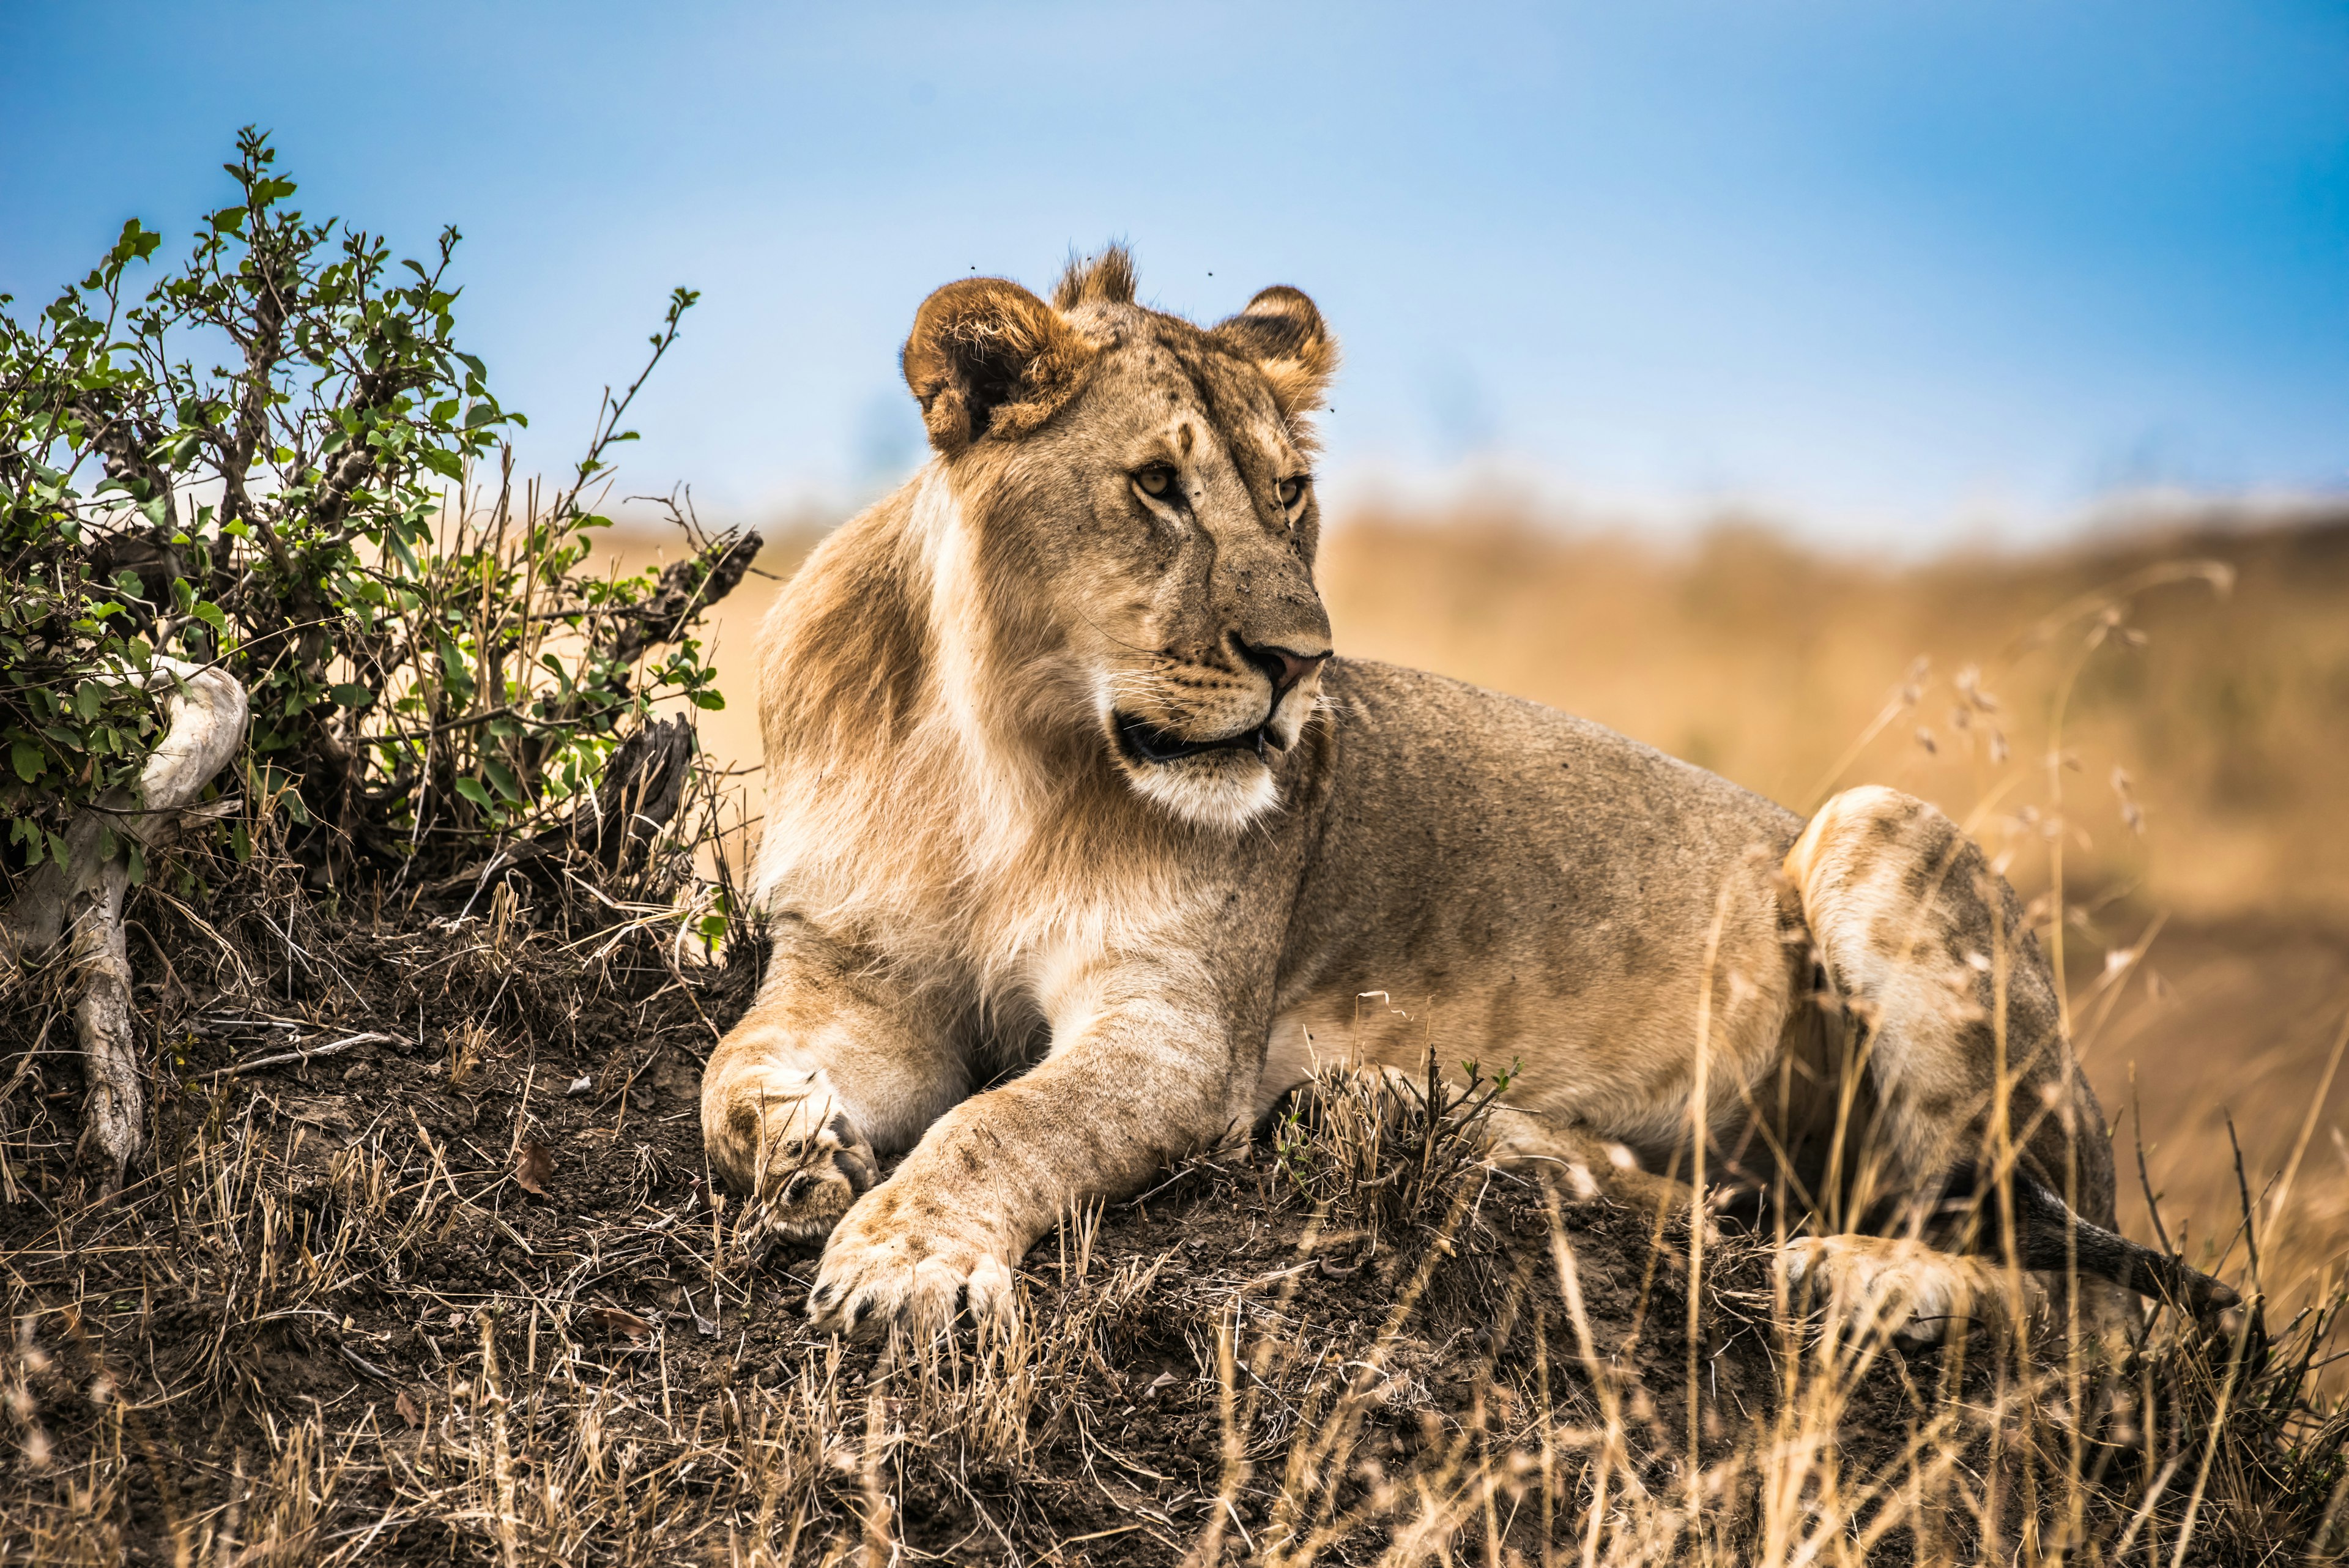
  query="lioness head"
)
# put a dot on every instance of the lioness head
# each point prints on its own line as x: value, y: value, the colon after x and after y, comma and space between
x: 1138, y: 493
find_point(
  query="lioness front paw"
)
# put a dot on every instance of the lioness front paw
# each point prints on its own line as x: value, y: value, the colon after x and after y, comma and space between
x: 896, y: 1259
x: 805, y: 1161
x: 807, y: 1188
x: 1870, y: 1285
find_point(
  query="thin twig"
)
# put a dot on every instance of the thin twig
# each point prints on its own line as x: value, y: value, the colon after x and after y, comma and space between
x: 306, y: 1054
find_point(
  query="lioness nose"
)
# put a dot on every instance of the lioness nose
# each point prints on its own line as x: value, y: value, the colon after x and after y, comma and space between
x: 1283, y: 667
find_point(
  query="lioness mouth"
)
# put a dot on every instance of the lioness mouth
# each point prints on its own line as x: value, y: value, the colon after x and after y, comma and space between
x: 1146, y: 742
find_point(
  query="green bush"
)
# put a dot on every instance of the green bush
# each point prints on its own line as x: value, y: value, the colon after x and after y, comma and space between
x: 328, y: 513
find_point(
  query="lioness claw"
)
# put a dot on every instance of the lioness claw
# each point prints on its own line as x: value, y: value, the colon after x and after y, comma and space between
x: 805, y: 1185
x: 877, y: 1271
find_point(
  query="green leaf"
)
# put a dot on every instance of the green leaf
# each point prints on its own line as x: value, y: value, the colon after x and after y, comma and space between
x: 503, y: 777
x: 28, y: 761
x: 350, y: 694
x: 472, y: 790
x: 712, y: 700
x: 137, y: 243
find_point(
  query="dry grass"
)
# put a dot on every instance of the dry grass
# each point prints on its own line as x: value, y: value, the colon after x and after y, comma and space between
x: 319, y: 1343
x: 459, y: 1292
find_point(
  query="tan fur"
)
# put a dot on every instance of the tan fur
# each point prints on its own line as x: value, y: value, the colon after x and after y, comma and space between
x: 990, y: 851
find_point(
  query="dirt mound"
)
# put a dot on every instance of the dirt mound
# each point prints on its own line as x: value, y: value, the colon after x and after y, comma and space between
x: 445, y: 1281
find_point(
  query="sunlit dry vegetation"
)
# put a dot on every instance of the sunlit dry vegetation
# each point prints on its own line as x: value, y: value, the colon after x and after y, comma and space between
x: 2220, y: 695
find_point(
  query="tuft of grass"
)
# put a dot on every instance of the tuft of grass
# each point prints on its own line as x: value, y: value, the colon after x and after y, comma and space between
x: 1377, y: 1152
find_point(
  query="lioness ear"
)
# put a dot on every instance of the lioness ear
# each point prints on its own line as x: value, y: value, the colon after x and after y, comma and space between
x: 1282, y: 332
x: 988, y: 358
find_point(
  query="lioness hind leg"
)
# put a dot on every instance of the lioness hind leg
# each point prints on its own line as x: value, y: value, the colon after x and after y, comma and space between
x: 1871, y: 1286
x: 1866, y: 1288
x: 1586, y: 1166
x: 1961, y: 1043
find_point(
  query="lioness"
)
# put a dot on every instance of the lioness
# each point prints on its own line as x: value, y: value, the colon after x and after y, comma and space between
x: 1065, y: 787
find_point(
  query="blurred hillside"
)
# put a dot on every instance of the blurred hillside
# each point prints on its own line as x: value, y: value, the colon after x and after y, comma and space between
x: 2227, y: 710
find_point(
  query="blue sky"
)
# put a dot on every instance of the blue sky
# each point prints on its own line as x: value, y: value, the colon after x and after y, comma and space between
x: 1895, y: 272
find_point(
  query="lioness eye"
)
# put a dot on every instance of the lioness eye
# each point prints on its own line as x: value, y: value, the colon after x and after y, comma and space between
x: 1292, y: 490
x: 1155, y: 479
